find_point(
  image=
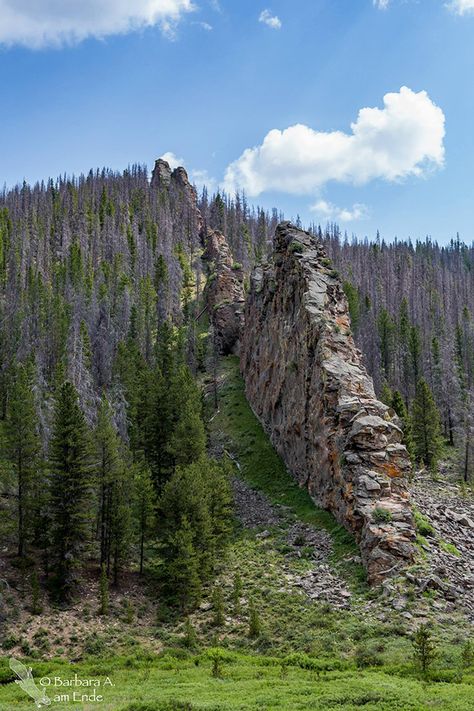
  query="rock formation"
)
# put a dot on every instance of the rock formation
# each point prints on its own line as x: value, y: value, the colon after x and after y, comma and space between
x: 175, y: 183
x: 306, y: 382
x: 224, y: 293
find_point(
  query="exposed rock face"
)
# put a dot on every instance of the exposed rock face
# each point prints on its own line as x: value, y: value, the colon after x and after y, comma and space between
x: 306, y: 382
x: 224, y: 293
x: 161, y: 176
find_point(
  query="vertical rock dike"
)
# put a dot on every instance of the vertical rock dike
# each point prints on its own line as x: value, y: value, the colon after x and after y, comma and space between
x: 306, y: 382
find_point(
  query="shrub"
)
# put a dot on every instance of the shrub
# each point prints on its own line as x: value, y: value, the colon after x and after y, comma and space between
x: 423, y: 526
x: 296, y: 246
x: 10, y: 642
x: 366, y: 657
x: 380, y: 515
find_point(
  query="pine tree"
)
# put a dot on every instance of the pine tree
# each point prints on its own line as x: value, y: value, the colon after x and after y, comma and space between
x: 201, y: 492
x: 182, y: 567
x: 70, y: 488
x: 144, y: 507
x: 386, y: 394
x: 415, y: 348
x: 399, y: 406
x: 188, y: 440
x: 190, y: 636
x: 426, y: 428
x: 109, y: 464
x: 386, y: 330
x: 23, y: 451
x: 255, y: 627
x: 424, y: 648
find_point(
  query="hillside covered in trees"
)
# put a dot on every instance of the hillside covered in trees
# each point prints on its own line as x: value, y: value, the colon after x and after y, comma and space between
x: 139, y: 495
x: 412, y: 307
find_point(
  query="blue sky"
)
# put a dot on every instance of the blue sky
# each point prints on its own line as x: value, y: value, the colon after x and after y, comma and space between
x: 156, y: 79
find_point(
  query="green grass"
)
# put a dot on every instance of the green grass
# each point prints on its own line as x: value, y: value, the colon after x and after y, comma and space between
x: 263, y: 469
x: 154, y: 683
x: 308, y: 654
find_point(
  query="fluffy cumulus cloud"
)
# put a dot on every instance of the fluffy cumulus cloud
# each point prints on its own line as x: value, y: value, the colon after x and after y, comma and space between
x: 381, y: 4
x: 40, y: 23
x: 173, y: 160
x: 328, y: 211
x: 462, y: 7
x: 270, y: 20
x: 403, y: 138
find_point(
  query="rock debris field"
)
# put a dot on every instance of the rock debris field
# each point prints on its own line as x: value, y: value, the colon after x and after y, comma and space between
x: 320, y: 582
x: 440, y: 584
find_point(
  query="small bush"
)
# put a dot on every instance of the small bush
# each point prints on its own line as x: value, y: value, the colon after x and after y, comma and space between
x: 10, y: 642
x: 423, y: 526
x: 366, y: 657
x: 296, y: 247
x: 380, y: 515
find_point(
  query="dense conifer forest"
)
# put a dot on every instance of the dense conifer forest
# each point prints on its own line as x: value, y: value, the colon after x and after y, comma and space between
x: 104, y: 441
x: 126, y: 436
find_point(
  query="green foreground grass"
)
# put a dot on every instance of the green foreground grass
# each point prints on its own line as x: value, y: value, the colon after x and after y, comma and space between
x: 246, y: 683
x: 307, y: 656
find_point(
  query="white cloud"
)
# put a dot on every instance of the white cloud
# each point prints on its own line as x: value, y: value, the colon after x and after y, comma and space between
x: 201, y: 179
x: 402, y: 139
x: 328, y: 211
x: 462, y: 7
x: 270, y: 20
x: 40, y: 23
x: 173, y: 160
x: 205, y: 26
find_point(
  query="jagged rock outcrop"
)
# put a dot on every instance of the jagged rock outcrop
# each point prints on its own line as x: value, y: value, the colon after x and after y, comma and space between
x: 176, y: 184
x: 306, y: 382
x: 224, y: 296
x: 161, y: 176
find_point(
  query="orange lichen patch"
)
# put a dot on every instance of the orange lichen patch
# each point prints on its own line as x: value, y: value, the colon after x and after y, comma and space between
x: 391, y: 470
x: 343, y: 321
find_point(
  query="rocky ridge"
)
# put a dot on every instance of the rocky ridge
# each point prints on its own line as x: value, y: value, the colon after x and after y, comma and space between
x: 306, y: 383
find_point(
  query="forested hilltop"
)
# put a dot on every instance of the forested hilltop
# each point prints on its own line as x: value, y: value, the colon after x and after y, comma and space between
x: 412, y: 308
x: 101, y: 280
